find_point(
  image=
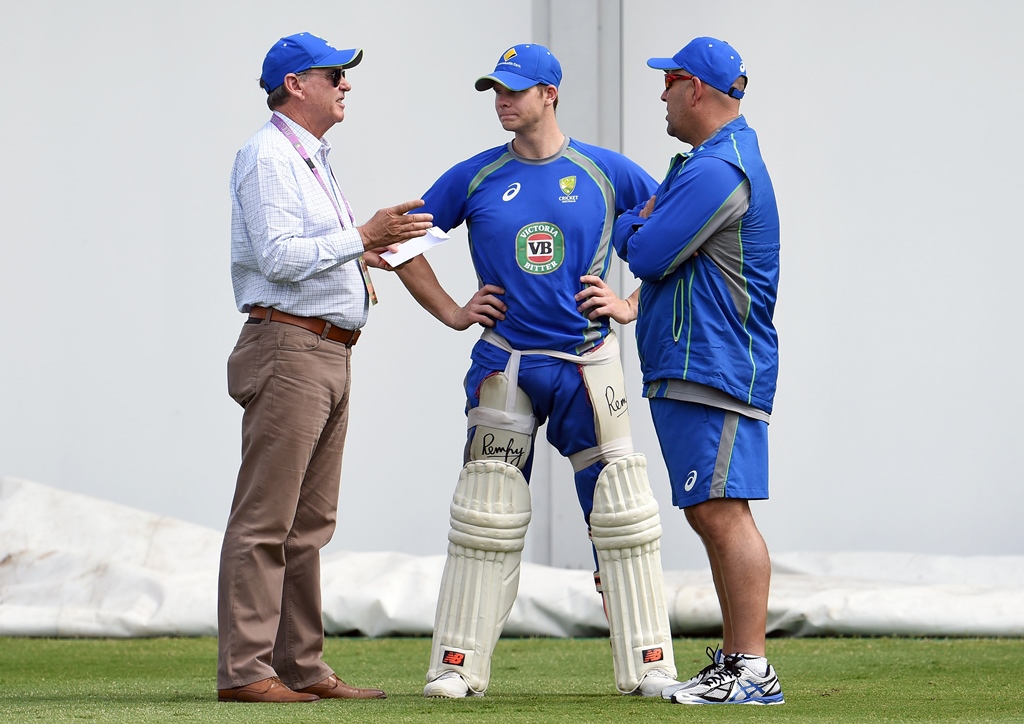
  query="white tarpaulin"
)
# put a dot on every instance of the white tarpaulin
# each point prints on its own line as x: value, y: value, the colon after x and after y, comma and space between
x: 71, y: 565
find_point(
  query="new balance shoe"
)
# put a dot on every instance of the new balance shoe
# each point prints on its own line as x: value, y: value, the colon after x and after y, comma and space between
x: 449, y: 685
x: 654, y: 682
x: 742, y: 679
x: 717, y: 659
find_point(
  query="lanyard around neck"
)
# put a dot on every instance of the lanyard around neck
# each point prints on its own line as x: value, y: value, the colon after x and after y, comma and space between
x: 297, y: 145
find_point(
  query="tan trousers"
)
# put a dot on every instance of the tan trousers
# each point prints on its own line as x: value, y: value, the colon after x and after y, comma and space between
x: 294, y: 387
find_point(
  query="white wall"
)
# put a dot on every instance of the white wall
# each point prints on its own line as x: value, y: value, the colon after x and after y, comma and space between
x: 890, y: 132
x: 888, y: 128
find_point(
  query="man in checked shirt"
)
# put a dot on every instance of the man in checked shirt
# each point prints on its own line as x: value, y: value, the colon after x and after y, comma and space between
x: 298, y: 265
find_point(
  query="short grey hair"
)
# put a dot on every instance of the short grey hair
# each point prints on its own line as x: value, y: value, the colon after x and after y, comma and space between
x: 279, y: 96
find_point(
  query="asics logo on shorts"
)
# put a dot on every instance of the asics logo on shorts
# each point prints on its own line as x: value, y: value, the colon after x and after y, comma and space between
x: 513, y: 189
x: 453, y: 658
x: 691, y: 480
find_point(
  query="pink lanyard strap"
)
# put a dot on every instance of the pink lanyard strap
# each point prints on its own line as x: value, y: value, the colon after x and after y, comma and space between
x: 297, y: 145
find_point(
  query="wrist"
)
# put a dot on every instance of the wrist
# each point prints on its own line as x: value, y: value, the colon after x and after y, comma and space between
x: 452, y: 318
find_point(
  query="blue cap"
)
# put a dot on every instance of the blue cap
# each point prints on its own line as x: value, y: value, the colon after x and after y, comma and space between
x: 523, y: 66
x: 715, y: 62
x: 300, y: 52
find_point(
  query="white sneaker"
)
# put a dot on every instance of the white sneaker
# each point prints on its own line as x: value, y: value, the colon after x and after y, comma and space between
x: 743, y: 679
x: 654, y: 682
x: 717, y: 661
x: 449, y: 685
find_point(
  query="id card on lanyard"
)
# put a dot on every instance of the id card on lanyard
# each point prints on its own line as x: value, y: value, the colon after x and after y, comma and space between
x: 297, y: 145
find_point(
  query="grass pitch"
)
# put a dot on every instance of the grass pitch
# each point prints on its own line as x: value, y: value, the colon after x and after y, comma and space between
x: 533, y: 680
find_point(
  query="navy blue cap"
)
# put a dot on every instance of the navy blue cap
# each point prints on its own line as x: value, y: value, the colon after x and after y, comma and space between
x: 715, y: 62
x: 300, y: 52
x: 523, y: 66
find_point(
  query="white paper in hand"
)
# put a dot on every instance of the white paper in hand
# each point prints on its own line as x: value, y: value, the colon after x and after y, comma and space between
x: 415, y: 247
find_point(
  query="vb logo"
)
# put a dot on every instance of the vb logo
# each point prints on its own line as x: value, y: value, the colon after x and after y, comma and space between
x: 540, y: 248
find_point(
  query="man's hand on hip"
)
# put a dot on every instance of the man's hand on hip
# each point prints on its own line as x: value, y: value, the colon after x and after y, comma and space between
x: 393, y: 225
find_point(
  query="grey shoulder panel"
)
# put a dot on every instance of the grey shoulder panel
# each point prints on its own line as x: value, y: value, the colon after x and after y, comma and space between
x: 724, y: 245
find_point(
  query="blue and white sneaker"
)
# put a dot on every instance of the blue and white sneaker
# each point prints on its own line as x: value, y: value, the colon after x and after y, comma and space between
x: 717, y: 661
x: 742, y: 679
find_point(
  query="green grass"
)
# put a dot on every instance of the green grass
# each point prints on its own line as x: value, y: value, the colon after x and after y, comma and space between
x: 533, y: 680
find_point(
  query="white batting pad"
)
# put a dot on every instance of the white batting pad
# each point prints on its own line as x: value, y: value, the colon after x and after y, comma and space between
x: 489, y: 515
x: 626, y: 531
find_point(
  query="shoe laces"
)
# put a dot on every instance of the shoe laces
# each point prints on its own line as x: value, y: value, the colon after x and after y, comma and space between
x: 728, y: 670
x: 710, y: 667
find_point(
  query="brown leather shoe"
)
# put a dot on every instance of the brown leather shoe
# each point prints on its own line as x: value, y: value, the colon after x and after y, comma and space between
x: 265, y: 690
x: 334, y: 688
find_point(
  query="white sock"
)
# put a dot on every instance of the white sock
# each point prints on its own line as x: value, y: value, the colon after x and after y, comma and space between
x: 758, y: 663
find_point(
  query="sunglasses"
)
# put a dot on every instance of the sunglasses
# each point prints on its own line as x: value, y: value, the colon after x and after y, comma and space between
x: 671, y: 78
x: 334, y: 75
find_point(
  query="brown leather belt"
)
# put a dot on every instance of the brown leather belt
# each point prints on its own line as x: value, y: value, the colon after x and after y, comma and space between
x: 347, y: 337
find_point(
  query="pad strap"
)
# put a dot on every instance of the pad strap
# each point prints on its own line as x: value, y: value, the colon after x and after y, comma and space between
x: 502, y: 419
x: 611, y: 450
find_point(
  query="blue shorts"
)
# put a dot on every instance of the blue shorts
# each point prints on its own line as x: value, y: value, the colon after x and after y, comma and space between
x: 711, y: 452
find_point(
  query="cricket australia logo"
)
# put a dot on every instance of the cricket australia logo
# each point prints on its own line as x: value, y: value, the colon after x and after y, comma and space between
x: 540, y: 248
x: 567, y: 185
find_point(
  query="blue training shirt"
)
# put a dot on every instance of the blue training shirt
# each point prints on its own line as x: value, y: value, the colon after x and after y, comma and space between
x: 535, y: 227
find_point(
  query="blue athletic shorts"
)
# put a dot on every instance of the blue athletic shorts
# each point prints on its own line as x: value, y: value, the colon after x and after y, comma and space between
x: 711, y: 452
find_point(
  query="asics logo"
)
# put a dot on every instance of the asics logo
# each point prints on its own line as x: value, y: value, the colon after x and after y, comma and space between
x: 751, y: 688
x: 513, y: 189
x: 691, y: 480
